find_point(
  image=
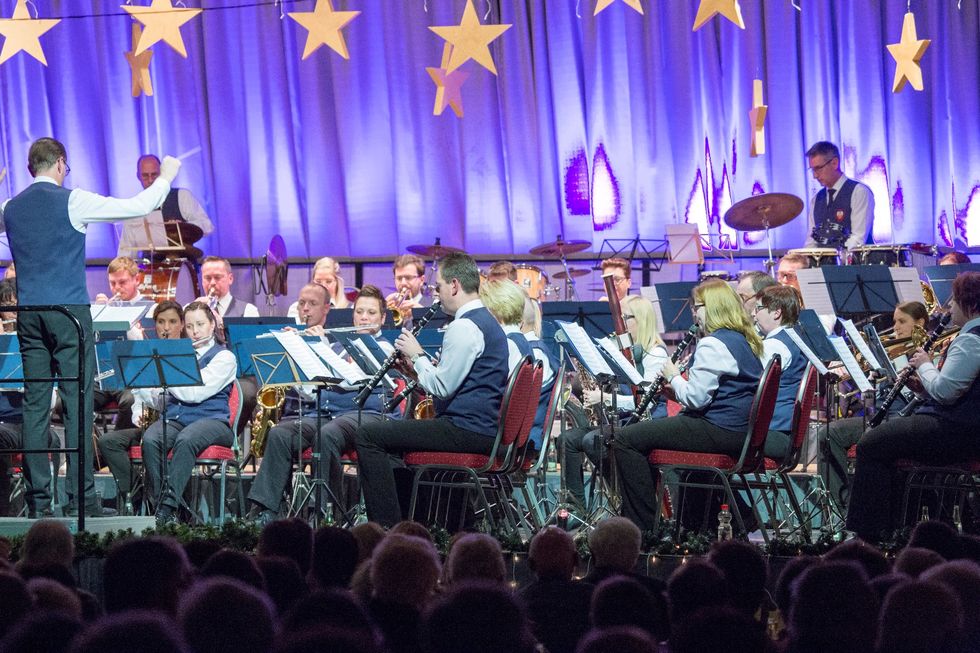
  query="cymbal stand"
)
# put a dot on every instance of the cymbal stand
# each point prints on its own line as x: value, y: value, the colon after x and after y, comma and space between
x: 605, y: 487
x: 770, y: 263
x: 570, y: 293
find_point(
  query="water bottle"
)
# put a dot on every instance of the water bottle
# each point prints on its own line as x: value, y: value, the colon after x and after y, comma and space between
x: 329, y: 516
x: 925, y: 514
x: 724, y: 523
x: 957, y: 519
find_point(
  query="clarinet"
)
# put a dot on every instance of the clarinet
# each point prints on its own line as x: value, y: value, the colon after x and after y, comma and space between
x: 903, y: 376
x: 658, y: 384
x: 392, y: 358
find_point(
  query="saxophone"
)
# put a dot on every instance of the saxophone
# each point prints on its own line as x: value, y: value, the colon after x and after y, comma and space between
x: 268, y: 410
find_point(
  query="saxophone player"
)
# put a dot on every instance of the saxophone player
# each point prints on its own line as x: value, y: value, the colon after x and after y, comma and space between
x: 339, y: 413
x: 941, y: 431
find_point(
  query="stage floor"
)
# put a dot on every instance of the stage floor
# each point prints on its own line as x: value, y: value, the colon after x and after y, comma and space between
x: 10, y: 526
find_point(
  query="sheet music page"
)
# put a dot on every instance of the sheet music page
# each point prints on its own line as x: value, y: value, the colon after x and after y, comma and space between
x: 908, y: 287
x: 617, y: 355
x: 850, y: 363
x: 582, y: 342
x: 810, y: 356
x: 814, y: 290
x: 858, y: 341
x: 368, y: 354
x: 299, y: 350
x: 116, y: 316
x: 348, y: 371
x: 650, y: 292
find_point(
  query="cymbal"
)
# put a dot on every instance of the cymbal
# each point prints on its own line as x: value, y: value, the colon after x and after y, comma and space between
x: 276, y: 266
x: 438, y: 250
x: 766, y: 210
x: 189, y: 233
x: 574, y: 273
x: 561, y: 247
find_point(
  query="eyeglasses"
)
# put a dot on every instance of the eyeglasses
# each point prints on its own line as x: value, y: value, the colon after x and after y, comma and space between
x: 697, y: 306
x: 628, y: 317
x: 757, y: 308
x: 822, y: 165
x: 619, y: 279
x: 745, y: 297
x: 406, y: 277
x: 67, y: 167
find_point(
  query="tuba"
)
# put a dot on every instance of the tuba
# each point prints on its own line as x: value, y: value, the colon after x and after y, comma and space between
x: 268, y: 410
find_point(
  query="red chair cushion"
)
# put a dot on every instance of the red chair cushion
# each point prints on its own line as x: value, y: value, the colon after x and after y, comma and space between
x: 347, y: 457
x: 447, y: 459
x: 216, y: 452
x: 770, y: 463
x: 689, y: 458
x: 136, y: 453
x: 852, y: 452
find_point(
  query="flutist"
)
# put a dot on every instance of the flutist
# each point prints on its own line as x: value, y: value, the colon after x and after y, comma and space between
x: 941, y: 431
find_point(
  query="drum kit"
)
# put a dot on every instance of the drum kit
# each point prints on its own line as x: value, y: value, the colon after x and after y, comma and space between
x: 169, y: 271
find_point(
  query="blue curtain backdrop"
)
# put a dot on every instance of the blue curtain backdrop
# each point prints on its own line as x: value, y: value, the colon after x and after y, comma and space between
x: 596, y: 127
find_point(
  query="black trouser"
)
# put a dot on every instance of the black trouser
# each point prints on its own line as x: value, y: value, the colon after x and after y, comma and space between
x: 841, y: 436
x: 124, y: 400
x: 876, y: 485
x: 336, y: 438
x: 379, y: 449
x: 114, y: 447
x: 49, y: 347
x: 186, y: 442
x: 572, y: 444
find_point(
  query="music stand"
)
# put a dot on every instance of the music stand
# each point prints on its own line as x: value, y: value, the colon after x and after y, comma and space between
x: 672, y: 303
x: 160, y: 364
x: 594, y: 317
x: 629, y: 248
x: 11, y: 364
x: 941, y: 279
x: 860, y: 290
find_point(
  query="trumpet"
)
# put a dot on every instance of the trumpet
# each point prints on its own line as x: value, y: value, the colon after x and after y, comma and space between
x: 399, y: 311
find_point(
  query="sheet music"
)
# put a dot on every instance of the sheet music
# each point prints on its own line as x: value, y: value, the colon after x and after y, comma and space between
x: 810, y: 356
x: 908, y: 287
x: 366, y: 351
x: 617, y: 355
x: 650, y: 292
x: 350, y: 372
x: 858, y: 341
x: 116, y: 318
x: 814, y: 290
x: 850, y: 363
x: 299, y: 350
x: 583, y: 344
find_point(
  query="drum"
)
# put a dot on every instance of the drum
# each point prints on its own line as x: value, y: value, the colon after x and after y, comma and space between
x: 707, y: 275
x: 893, y: 256
x: 819, y: 256
x: 550, y: 293
x: 531, y: 279
x: 174, y: 279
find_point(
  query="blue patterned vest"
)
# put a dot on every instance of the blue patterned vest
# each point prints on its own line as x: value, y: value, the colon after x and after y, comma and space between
x: 214, y: 407
x: 789, y: 384
x: 963, y: 412
x: 732, y: 403
x: 832, y: 224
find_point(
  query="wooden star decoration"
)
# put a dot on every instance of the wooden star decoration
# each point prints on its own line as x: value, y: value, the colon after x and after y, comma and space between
x: 139, y: 65
x: 907, y: 54
x: 162, y: 22
x: 757, y: 118
x: 602, y: 4
x: 470, y: 40
x: 23, y: 34
x: 449, y: 86
x: 324, y: 25
x: 708, y: 9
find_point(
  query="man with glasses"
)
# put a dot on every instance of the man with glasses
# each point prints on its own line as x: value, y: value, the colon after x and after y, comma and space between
x: 45, y: 225
x: 409, y: 273
x: 750, y: 284
x: 842, y: 211
x: 620, y: 269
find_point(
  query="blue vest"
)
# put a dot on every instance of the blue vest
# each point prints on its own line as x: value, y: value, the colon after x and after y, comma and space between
x: 732, y: 402
x: 964, y: 411
x: 214, y: 407
x: 235, y: 308
x: 789, y: 384
x: 832, y: 224
x: 523, y: 346
x: 11, y: 407
x: 542, y: 351
x: 48, y: 251
x: 475, y: 406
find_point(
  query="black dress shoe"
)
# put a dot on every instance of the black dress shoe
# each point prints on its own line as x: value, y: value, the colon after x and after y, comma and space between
x: 43, y: 513
x: 165, y: 515
x: 91, y: 511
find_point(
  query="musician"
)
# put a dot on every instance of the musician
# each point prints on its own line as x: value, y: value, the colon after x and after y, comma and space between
x: 789, y: 265
x: 180, y: 206
x: 502, y: 270
x: 124, y: 282
x: 338, y: 412
x: 941, y: 431
x: 467, y: 385
x: 168, y: 321
x: 197, y: 416
x: 531, y: 323
x: 326, y: 272
x: 841, y: 213
x: 8, y: 297
x: 621, y: 270
x: 845, y: 433
x: 650, y: 356
x: 409, y: 273
x: 954, y: 258
x: 750, y: 284
x: 45, y: 213
x: 217, y: 279
x: 717, y: 398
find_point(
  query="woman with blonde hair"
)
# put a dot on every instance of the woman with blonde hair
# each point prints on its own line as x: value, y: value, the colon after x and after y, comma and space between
x: 716, y: 398
x: 326, y: 272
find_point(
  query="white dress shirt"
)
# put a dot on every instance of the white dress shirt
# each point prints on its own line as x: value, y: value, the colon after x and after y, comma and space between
x: 219, y: 372
x: 862, y: 214
x: 772, y: 345
x: 653, y: 363
x: 539, y: 355
x: 134, y: 233
x: 462, y: 344
x: 959, y: 371
x: 513, y: 353
x: 712, y: 360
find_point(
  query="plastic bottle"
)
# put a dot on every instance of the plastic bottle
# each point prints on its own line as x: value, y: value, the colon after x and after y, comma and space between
x: 724, y: 523
x: 925, y: 514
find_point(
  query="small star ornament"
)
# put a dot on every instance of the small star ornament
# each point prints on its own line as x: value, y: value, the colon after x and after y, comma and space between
x: 324, y: 25
x: 907, y: 54
x: 449, y: 86
x: 162, y: 22
x: 23, y: 34
x: 708, y: 9
x: 470, y: 40
x: 139, y: 65
x: 602, y: 4
x: 757, y: 120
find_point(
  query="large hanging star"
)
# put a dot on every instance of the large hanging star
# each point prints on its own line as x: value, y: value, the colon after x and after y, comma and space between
x: 449, y: 86
x: 757, y: 118
x: 22, y: 33
x: 907, y: 54
x: 139, y: 64
x: 708, y: 9
x: 602, y: 4
x: 162, y: 22
x: 324, y: 25
x: 470, y: 40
